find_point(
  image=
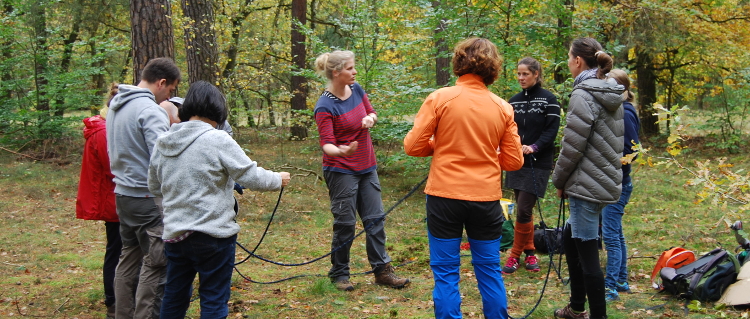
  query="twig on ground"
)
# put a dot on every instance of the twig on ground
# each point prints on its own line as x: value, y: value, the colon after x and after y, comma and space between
x: 309, y: 172
x: 7, y: 263
x: 63, y: 304
x: 31, y: 157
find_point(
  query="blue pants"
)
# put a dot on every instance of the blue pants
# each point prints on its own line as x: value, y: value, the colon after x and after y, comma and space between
x: 614, y: 239
x: 213, y: 259
x: 446, y: 219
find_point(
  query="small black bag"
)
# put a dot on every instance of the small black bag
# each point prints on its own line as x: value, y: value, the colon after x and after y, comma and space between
x: 705, y: 279
x: 548, y: 240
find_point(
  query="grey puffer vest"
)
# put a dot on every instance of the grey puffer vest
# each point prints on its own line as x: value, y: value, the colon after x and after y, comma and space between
x: 589, y: 164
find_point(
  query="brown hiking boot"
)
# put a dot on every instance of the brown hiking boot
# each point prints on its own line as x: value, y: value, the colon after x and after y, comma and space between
x: 568, y: 312
x: 344, y: 285
x: 385, y: 276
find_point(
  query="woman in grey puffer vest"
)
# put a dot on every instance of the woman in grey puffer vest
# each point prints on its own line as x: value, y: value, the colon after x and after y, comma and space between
x: 588, y: 171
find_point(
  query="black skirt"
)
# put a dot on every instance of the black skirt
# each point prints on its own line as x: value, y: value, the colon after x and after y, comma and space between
x: 523, y: 179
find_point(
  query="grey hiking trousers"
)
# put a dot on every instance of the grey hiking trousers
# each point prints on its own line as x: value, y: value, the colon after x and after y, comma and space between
x: 141, y: 272
x: 352, y: 194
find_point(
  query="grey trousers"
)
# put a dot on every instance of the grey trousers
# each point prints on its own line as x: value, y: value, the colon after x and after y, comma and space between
x: 141, y: 272
x: 352, y: 194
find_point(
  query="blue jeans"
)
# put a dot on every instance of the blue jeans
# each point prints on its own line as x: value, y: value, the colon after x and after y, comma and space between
x: 213, y: 259
x: 614, y: 239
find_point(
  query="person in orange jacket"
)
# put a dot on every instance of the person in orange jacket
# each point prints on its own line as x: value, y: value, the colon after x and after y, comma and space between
x: 96, y: 197
x: 471, y: 135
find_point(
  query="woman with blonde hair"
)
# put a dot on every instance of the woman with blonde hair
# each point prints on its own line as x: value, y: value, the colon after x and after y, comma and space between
x: 616, y: 279
x: 471, y: 136
x: 344, y: 116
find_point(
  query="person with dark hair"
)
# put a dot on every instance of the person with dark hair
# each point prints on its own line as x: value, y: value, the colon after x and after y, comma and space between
x: 616, y: 279
x: 588, y: 172
x: 96, y: 196
x: 134, y: 121
x: 344, y: 116
x: 537, y: 114
x: 471, y: 136
x: 193, y: 167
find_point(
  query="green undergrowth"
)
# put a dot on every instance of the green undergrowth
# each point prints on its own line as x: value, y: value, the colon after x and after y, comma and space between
x: 50, y: 262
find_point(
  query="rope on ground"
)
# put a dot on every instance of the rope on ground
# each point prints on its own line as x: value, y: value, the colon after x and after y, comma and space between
x: 252, y: 253
x: 549, y: 268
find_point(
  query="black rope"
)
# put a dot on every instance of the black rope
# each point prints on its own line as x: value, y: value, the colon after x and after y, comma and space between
x: 267, y: 226
x: 252, y: 253
x: 248, y: 279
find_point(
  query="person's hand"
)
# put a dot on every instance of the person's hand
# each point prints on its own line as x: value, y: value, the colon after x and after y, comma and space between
x: 368, y: 121
x: 561, y: 193
x: 285, y: 178
x: 346, y: 150
x: 526, y: 149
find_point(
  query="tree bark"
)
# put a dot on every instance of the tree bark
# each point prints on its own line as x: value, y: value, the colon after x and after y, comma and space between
x: 299, y: 82
x: 151, y: 33
x: 646, y: 83
x: 7, y: 54
x: 442, y: 59
x: 200, y: 41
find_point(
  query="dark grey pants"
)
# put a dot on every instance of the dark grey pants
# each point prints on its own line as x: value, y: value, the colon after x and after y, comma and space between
x: 352, y: 194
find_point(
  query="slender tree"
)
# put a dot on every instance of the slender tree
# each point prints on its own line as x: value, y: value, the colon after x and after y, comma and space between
x: 299, y: 82
x: 442, y: 56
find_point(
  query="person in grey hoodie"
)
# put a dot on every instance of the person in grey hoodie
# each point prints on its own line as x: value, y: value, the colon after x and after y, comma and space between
x: 193, y: 167
x: 588, y: 171
x: 134, y: 121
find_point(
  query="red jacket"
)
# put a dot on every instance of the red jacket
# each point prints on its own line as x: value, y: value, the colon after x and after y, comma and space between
x: 96, y: 190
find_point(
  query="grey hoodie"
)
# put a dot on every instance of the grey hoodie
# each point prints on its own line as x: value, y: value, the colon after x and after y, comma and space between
x: 193, y: 168
x: 134, y: 121
x: 589, y: 164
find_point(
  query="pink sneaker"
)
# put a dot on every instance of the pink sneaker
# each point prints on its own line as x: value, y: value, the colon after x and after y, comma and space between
x: 511, y: 266
x: 531, y: 263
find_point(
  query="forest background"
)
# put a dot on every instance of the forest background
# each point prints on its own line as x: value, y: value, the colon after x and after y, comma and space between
x: 58, y: 59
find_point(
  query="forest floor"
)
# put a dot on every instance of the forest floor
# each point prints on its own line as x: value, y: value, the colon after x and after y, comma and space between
x: 50, y: 262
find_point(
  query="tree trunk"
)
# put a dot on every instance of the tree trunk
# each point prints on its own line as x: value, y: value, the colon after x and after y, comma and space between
x: 66, y: 57
x: 151, y: 33
x: 39, y: 21
x: 200, y: 41
x: 7, y: 54
x: 564, y: 23
x: 442, y: 57
x: 299, y: 82
x: 646, y: 83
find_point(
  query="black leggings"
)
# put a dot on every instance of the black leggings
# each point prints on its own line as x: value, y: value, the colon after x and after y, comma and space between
x: 524, y: 206
x: 586, y: 276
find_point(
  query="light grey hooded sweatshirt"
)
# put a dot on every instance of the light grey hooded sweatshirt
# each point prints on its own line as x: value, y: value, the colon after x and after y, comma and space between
x: 134, y: 121
x: 589, y: 166
x: 193, y: 168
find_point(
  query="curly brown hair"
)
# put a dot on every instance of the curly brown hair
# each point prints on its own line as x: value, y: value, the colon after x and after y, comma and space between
x: 477, y: 56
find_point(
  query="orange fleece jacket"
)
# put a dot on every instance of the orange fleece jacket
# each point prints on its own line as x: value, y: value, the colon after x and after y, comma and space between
x: 462, y: 127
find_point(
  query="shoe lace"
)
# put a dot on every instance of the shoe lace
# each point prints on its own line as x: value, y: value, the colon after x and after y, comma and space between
x: 512, y: 262
x: 531, y: 260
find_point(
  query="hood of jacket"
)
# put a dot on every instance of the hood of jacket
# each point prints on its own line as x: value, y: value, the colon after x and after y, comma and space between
x: 181, y: 136
x: 93, y: 124
x: 127, y: 93
x: 607, y: 92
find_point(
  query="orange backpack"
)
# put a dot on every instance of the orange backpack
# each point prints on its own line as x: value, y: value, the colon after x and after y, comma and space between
x: 674, y: 257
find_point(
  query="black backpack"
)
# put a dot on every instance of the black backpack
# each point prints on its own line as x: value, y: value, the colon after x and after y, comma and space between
x: 705, y: 279
x: 548, y: 240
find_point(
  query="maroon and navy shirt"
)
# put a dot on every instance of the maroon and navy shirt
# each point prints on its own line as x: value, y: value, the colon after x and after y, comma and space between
x: 340, y: 123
